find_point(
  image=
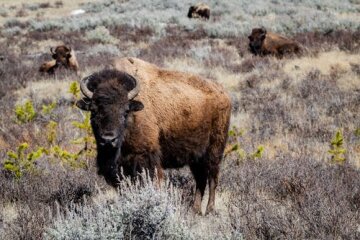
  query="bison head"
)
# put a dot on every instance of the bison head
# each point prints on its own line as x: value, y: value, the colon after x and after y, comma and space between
x: 256, y: 39
x: 109, y: 96
x: 191, y: 10
x: 62, y: 54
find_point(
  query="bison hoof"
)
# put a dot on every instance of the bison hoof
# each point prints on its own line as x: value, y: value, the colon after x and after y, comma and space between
x: 197, y: 210
x: 210, y: 209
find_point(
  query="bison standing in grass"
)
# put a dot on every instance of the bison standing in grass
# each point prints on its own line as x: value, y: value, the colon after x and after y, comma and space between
x: 146, y: 117
x: 267, y: 43
x: 63, y: 56
x: 199, y: 10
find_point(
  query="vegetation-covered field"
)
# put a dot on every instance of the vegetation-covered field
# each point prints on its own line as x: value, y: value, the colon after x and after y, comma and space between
x: 291, y: 168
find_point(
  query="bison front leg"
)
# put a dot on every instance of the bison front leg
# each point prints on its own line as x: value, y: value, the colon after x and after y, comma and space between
x: 200, y: 173
x: 148, y: 161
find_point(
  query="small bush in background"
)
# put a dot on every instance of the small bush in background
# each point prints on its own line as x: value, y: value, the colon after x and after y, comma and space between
x: 100, y: 34
x: 3, y: 12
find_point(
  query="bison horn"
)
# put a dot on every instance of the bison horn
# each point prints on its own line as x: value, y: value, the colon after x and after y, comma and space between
x: 135, y: 91
x: 51, y: 50
x: 84, y: 89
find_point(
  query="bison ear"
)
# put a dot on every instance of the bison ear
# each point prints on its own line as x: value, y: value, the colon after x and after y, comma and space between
x: 83, y: 105
x: 135, y: 106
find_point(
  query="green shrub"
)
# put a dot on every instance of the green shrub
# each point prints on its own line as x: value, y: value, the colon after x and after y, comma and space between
x: 258, y: 153
x: 234, y: 146
x: 70, y: 159
x: 47, y: 109
x: 74, y: 89
x: 88, y: 139
x: 337, y: 150
x: 357, y: 132
x: 25, y: 113
x: 51, y: 132
x: 21, y: 162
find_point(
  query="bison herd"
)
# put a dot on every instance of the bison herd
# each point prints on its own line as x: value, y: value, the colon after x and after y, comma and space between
x: 145, y: 117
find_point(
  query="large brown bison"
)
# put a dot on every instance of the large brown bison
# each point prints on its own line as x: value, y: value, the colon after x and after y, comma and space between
x: 199, y: 10
x: 267, y: 43
x: 63, y: 56
x: 146, y: 117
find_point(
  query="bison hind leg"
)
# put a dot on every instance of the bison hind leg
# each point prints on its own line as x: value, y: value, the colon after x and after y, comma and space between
x: 213, y: 179
x: 200, y: 173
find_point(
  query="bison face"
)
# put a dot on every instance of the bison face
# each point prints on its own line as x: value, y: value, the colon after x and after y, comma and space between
x: 62, y: 54
x: 109, y: 96
x: 256, y: 39
x: 191, y: 10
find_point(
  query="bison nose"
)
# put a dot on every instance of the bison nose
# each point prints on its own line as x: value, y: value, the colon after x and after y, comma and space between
x: 109, y: 138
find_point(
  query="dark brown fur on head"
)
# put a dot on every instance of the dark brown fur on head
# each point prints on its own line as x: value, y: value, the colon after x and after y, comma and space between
x: 65, y: 57
x: 256, y: 39
x: 62, y: 54
x: 109, y: 108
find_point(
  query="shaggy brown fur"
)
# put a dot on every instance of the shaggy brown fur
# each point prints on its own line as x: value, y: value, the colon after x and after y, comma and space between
x: 176, y: 119
x: 267, y: 43
x: 48, y: 67
x: 199, y: 10
x: 65, y: 56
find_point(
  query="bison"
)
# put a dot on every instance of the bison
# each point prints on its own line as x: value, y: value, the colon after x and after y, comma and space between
x: 48, y: 67
x: 145, y: 117
x: 199, y: 10
x: 65, y: 56
x: 267, y: 43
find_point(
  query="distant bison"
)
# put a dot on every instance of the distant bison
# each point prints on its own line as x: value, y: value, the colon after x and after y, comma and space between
x: 146, y: 117
x: 66, y: 57
x: 267, y: 43
x: 63, y: 56
x: 199, y: 10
